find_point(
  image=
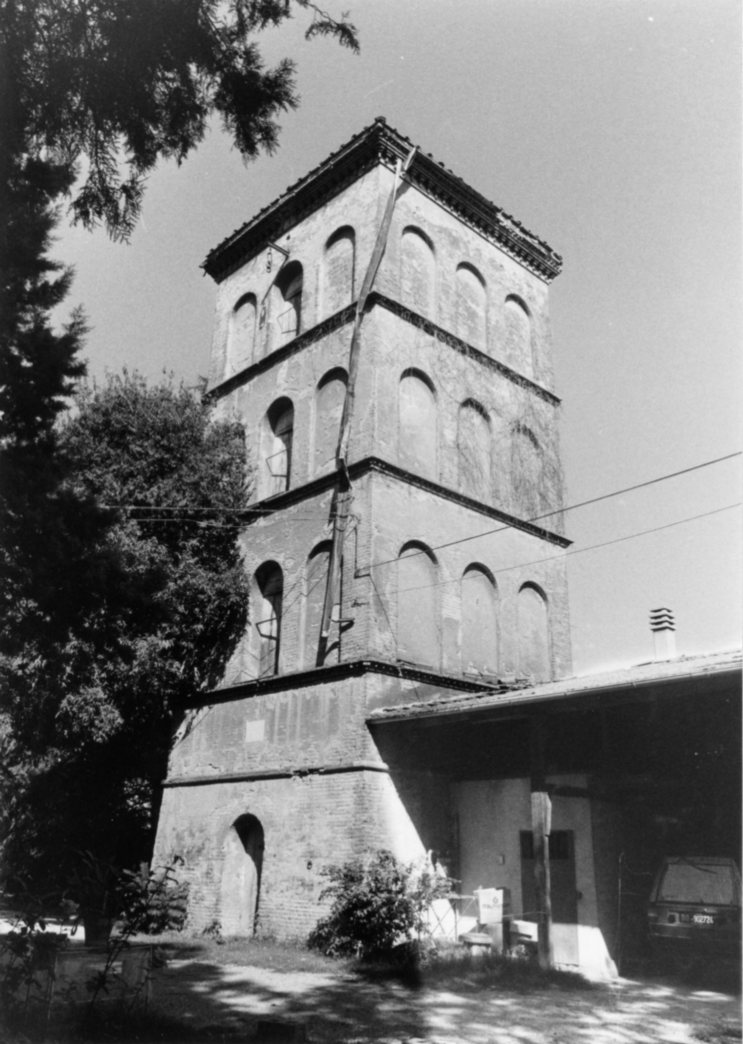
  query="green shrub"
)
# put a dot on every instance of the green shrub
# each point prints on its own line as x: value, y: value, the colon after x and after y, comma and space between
x: 376, y: 905
x: 154, y: 901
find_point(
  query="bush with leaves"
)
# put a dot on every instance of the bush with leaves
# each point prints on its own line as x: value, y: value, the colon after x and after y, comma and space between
x: 27, y: 958
x: 143, y: 901
x: 154, y: 900
x: 376, y: 904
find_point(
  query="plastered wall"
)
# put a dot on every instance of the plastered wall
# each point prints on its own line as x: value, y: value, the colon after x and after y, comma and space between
x: 355, y: 208
x: 490, y: 816
x: 396, y: 345
x: 402, y: 513
x: 382, y: 599
x: 452, y: 243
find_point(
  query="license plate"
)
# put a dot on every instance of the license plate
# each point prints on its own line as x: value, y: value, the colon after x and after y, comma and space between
x: 703, y: 919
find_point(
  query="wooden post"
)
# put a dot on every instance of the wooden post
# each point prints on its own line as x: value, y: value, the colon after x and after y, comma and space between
x: 541, y: 825
x: 341, y: 496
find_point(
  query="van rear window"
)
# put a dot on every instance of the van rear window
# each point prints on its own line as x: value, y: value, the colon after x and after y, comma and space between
x: 697, y: 883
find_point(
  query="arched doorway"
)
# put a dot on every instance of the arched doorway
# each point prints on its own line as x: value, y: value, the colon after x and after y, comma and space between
x: 241, y: 876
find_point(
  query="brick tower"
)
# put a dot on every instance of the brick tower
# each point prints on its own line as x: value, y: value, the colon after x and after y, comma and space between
x: 382, y: 333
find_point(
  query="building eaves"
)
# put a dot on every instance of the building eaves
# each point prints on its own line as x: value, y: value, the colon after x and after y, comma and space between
x: 380, y: 143
x: 626, y: 683
x: 347, y: 669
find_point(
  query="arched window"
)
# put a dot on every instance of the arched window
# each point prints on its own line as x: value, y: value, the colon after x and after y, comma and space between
x: 330, y: 395
x: 479, y: 641
x: 518, y: 347
x: 417, y: 424
x: 241, y: 876
x: 418, y: 637
x: 316, y: 578
x: 417, y: 272
x: 527, y: 471
x: 267, y: 594
x: 533, y: 635
x: 286, y: 305
x: 338, y: 270
x: 471, y: 306
x: 276, y: 448
x: 241, y: 343
x: 474, y: 450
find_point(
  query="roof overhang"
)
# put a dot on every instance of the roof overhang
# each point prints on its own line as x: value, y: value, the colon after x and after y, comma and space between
x: 701, y: 675
x: 381, y: 144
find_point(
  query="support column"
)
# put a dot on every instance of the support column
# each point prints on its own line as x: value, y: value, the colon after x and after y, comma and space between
x: 541, y: 824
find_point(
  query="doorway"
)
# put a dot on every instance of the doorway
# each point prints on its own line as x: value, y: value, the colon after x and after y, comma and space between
x: 562, y: 876
x: 241, y: 876
x: 564, y: 894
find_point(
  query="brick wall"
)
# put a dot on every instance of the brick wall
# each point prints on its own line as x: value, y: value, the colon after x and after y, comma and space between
x: 308, y: 821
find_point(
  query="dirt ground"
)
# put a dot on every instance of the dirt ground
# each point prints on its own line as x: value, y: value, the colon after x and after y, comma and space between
x: 227, y: 1001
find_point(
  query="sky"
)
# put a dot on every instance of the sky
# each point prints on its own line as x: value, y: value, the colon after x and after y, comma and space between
x: 610, y: 128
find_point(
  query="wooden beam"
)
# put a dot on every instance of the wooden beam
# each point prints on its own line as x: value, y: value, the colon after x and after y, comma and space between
x: 342, y: 496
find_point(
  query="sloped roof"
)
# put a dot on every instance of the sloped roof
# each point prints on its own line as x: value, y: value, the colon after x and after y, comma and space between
x: 380, y: 143
x: 685, y: 672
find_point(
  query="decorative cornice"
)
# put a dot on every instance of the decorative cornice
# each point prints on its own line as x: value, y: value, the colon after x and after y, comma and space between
x: 380, y: 144
x: 344, y: 316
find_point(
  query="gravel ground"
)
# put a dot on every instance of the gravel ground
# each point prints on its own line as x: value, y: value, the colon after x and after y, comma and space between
x: 233, y: 1002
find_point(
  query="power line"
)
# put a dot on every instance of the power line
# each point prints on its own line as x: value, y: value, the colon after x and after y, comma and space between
x: 570, y: 507
x: 185, y: 509
x: 181, y: 515
x: 300, y: 590
x: 582, y: 550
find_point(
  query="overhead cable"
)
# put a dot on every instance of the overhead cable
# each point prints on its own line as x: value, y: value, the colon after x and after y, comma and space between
x: 582, y: 550
x: 534, y: 518
x: 562, y: 510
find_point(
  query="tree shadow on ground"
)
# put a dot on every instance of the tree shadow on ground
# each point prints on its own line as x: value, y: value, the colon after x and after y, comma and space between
x: 335, y: 1008
x: 230, y: 1003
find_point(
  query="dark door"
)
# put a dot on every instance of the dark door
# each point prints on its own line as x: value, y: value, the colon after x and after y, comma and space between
x: 562, y: 877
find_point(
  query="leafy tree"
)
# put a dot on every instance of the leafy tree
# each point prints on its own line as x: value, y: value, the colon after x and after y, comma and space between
x: 104, y: 89
x: 38, y: 367
x: 178, y: 481
x: 123, y: 83
x: 48, y: 534
x: 108, y: 86
x: 88, y: 742
x: 110, y: 620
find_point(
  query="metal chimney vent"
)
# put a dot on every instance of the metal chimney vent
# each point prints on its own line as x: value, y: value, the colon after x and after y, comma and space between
x: 663, y: 627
